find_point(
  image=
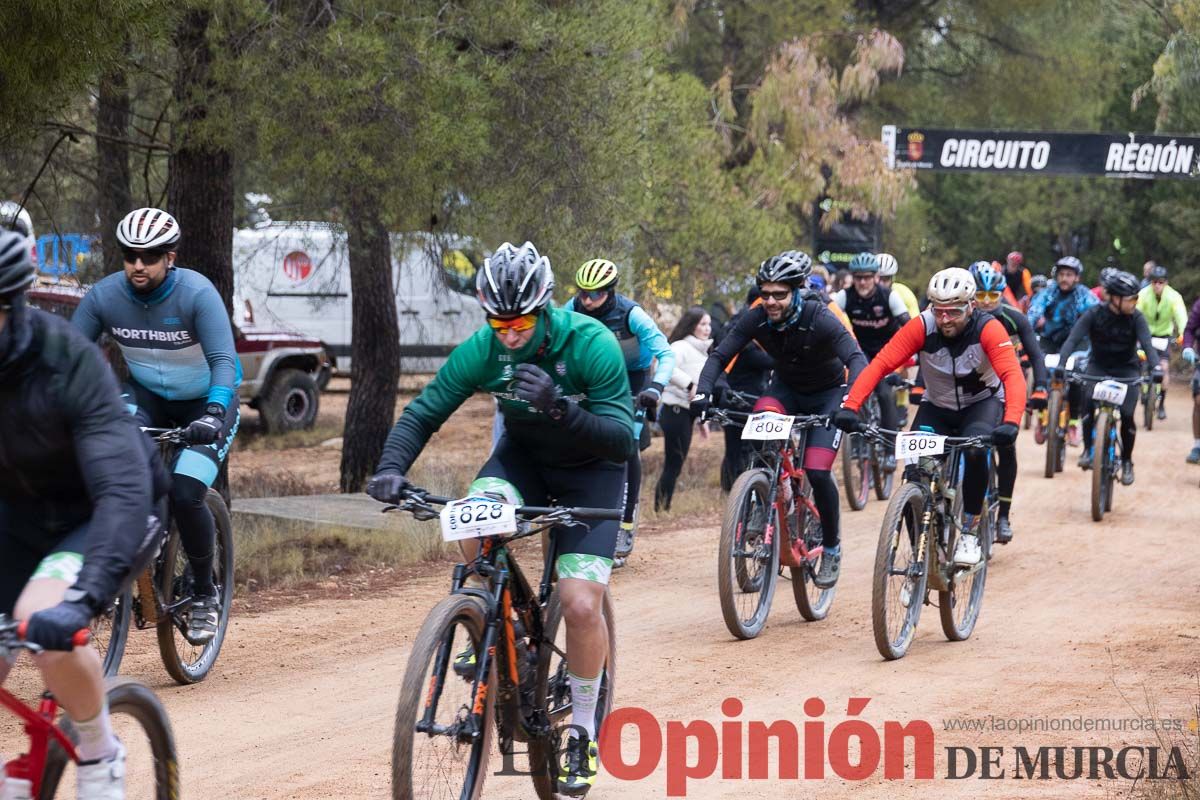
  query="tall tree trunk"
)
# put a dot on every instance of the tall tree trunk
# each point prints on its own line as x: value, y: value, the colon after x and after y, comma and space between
x: 200, y: 188
x: 374, y: 344
x: 112, y: 163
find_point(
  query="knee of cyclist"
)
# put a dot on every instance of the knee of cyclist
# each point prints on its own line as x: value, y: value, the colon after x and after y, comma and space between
x: 187, y: 492
x: 819, y: 477
x: 581, y: 608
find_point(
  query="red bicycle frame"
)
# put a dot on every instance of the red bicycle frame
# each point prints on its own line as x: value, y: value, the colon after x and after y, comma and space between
x: 40, y: 728
x: 793, y: 552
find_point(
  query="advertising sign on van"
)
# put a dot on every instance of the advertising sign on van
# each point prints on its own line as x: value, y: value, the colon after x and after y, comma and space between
x: 297, y: 266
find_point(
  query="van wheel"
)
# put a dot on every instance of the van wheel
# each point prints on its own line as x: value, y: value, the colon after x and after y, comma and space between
x: 290, y: 402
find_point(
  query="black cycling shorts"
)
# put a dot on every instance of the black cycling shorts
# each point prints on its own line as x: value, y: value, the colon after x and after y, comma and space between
x: 822, y: 443
x: 26, y: 550
x: 584, y: 550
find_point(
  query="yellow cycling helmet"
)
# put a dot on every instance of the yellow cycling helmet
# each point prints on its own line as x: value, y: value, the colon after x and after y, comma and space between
x: 599, y: 273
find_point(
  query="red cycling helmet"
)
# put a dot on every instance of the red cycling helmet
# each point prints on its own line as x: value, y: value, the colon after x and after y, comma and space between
x: 1016, y: 256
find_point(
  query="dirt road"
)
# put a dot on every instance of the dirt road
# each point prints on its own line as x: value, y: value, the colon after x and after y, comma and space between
x: 1080, y: 620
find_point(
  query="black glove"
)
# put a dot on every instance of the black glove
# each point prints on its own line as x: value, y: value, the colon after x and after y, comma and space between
x: 894, y: 380
x: 1037, y: 400
x: 846, y: 419
x: 1004, y: 434
x: 387, y: 486
x: 649, y: 397
x: 535, y: 387
x: 207, y: 429
x: 700, y: 404
x: 54, y: 628
x: 1157, y: 373
x: 1058, y: 373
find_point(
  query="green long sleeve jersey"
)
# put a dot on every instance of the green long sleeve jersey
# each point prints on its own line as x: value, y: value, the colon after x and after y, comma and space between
x: 577, y: 352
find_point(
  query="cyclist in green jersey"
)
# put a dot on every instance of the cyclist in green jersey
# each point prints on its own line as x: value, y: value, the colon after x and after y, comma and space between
x: 560, y: 382
x: 1167, y: 316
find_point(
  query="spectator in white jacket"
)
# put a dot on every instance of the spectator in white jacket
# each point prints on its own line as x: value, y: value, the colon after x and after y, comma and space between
x: 690, y: 342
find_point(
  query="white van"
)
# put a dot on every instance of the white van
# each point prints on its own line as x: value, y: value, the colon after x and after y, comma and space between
x: 296, y: 275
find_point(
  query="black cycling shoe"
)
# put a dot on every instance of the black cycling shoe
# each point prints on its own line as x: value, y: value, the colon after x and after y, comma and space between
x: 1162, y: 412
x: 1127, y: 473
x: 1003, y: 531
x: 1085, y: 459
x: 464, y: 663
x: 578, y: 774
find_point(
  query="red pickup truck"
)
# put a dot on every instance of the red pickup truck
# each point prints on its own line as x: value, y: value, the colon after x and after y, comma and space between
x: 282, y: 372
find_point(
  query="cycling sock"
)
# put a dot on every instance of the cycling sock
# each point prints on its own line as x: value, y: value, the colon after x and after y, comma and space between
x: 96, y: 740
x: 836, y: 550
x: 1196, y: 443
x: 584, y: 694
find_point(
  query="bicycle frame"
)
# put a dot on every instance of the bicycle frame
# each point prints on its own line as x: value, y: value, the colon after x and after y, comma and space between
x: 41, y: 730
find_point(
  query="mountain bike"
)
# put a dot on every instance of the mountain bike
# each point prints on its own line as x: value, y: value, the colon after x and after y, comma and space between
x: 161, y: 595
x: 862, y: 460
x: 1152, y: 394
x: 1052, y: 422
x: 917, y: 539
x: 519, y: 691
x: 138, y: 719
x: 1108, y: 393
x: 770, y: 522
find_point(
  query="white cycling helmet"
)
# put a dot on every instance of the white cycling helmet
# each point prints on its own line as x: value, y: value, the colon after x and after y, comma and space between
x: 954, y: 285
x: 148, y: 229
x: 887, y: 265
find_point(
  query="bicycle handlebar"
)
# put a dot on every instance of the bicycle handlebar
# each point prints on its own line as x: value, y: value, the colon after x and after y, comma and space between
x: 12, y: 636
x: 527, y: 512
x: 883, y: 434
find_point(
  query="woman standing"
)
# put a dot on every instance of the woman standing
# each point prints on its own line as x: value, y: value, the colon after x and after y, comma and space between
x: 690, y: 342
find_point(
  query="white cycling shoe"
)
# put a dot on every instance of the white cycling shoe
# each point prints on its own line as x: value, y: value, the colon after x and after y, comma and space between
x: 967, y: 551
x: 103, y: 780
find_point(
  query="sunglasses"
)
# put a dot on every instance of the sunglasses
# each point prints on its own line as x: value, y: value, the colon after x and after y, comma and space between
x: 513, y: 324
x: 988, y: 297
x: 864, y: 276
x: 593, y: 294
x: 778, y: 296
x: 950, y: 312
x: 148, y: 257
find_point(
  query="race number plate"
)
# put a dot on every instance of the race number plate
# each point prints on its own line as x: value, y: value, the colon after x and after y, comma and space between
x: 767, y: 426
x: 916, y: 444
x: 1110, y: 392
x: 476, y: 517
x: 1051, y: 360
x: 1159, y: 342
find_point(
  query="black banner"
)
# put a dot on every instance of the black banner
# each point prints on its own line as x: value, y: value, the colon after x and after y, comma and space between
x: 846, y: 238
x: 1115, y: 155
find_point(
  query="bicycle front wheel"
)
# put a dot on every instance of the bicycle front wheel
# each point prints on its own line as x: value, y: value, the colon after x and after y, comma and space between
x: 446, y: 759
x: 1149, y: 405
x: 748, y: 555
x: 142, y: 726
x: 1102, y: 466
x: 898, y: 585
x: 185, y: 662
x: 1054, y: 431
x: 552, y: 693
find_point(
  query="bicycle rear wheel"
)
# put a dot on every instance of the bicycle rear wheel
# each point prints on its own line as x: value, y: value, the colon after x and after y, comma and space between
x: 1101, y: 485
x: 552, y: 693
x: 746, y: 562
x: 143, y: 727
x: 1054, y: 432
x: 856, y: 470
x: 959, y: 607
x: 448, y: 761
x: 898, y: 585
x: 185, y: 662
x: 883, y: 480
x: 110, y: 632
x: 812, y: 601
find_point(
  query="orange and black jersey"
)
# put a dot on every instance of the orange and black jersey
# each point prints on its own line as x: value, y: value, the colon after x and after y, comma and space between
x: 978, y: 364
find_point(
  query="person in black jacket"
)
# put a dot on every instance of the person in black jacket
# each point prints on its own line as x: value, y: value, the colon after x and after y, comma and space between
x: 1116, y: 330
x: 748, y: 375
x: 812, y: 352
x: 76, y: 495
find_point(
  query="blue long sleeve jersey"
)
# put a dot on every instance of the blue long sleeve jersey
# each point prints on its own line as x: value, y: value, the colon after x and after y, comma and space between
x: 177, y: 340
x: 640, y: 338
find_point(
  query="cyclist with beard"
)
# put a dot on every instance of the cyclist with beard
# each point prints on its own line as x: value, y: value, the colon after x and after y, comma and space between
x: 812, y: 352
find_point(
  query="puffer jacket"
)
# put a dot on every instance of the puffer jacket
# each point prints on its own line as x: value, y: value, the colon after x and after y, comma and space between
x: 690, y: 355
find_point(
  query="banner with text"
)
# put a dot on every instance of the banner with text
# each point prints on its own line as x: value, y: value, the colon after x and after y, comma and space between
x: 1115, y: 155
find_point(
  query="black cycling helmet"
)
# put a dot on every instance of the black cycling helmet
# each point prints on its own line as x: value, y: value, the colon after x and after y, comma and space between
x: 514, y: 281
x: 1121, y: 284
x: 1069, y: 262
x: 791, y: 267
x: 1158, y: 273
x: 1038, y: 282
x: 16, y: 265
